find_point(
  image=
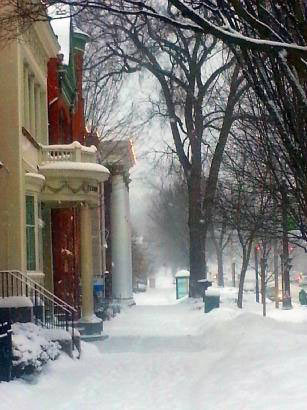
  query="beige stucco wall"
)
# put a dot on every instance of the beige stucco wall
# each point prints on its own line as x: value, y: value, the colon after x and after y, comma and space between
x: 12, y: 232
x: 16, y: 152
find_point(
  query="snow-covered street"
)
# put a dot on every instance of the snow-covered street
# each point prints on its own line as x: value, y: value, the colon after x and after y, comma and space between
x: 163, y: 354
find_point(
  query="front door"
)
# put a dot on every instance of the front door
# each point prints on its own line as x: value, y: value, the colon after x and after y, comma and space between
x: 66, y: 255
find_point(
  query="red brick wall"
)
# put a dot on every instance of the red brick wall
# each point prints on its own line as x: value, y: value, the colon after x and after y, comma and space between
x: 65, y: 125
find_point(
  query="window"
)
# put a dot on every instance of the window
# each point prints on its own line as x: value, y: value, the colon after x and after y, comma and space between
x: 30, y: 233
x: 34, y: 116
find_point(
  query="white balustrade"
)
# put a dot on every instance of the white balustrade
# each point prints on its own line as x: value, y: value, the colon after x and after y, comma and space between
x: 74, y: 152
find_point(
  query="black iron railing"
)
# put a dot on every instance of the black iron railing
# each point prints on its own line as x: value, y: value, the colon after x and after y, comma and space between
x: 48, y: 310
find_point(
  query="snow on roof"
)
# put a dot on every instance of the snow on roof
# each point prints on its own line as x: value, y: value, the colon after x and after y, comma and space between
x: 60, y: 23
x: 78, y: 31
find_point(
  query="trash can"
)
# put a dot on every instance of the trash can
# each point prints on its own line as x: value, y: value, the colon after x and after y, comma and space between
x: 211, y: 300
x: 98, y: 291
x: 302, y: 297
x: 5, y: 351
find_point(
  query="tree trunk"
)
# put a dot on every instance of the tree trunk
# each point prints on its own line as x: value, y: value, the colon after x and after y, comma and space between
x: 220, y: 268
x: 219, y: 257
x: 263, y: 286
x: 286, y: 297
x: 211, y: 184
x: 245, y: 262
x: 197, y: 257
x: 257, y: 274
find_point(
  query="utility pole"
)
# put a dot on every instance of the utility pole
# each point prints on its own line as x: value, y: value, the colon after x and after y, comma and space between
x: 257, y: 272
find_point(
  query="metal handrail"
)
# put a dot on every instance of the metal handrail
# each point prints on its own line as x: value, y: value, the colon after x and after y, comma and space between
x: 34, y: 287
x: 44, y: 291
x: 49, y: 310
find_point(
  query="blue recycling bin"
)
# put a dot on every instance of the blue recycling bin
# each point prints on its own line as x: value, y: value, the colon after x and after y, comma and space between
x: 182, y: 283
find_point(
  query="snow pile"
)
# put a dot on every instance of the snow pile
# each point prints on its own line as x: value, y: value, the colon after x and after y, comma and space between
x: 15, y: 302
x: 57, y: 334
x: 174, y: 356
x: 31, y: 348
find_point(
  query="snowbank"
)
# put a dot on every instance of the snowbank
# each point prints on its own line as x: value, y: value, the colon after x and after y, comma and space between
x: 174, y: 356
x: 31, y: 348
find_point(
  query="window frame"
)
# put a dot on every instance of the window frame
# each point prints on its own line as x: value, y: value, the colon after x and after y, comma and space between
x: 37, y: 241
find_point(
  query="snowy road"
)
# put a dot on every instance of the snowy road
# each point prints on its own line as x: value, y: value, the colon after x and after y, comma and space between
x: 164, y: 355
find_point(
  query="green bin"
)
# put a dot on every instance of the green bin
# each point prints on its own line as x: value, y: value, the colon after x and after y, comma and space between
x: 302, y: 297
x: 182, y: 283
x: 211, y: 301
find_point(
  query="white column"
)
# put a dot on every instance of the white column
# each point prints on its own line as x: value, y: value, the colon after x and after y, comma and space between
x: 44, y: 119
x: 86, y: 264
x: 26, y: 99
x: 32, y: 105
x: 38, y: 118
x: 121, y: 241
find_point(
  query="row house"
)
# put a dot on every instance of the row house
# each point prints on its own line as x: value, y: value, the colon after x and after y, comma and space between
x: 50, y: 180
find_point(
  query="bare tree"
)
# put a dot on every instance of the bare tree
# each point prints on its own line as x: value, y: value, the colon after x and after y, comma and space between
x: 17, y: 16
x: 105, y: 111
x: 247, y: 205
x: 269, y: 41
x: 176, y: 60
x: 220, y: 234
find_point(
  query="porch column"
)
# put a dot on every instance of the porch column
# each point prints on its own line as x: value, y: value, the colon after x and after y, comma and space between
x: 121, y: 241
x: 90, y: 325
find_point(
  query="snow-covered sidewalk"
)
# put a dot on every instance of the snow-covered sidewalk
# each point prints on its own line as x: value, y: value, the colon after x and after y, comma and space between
x: 165, y: 355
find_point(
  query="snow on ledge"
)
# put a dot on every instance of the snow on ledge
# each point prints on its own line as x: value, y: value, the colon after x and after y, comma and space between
x: 75, y: 166
x: 15, y: 302
x: 182, y: 274
x: 90, y: 319
x: 33, y: 175
x: 75, y: 144
x: 213, y: 292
